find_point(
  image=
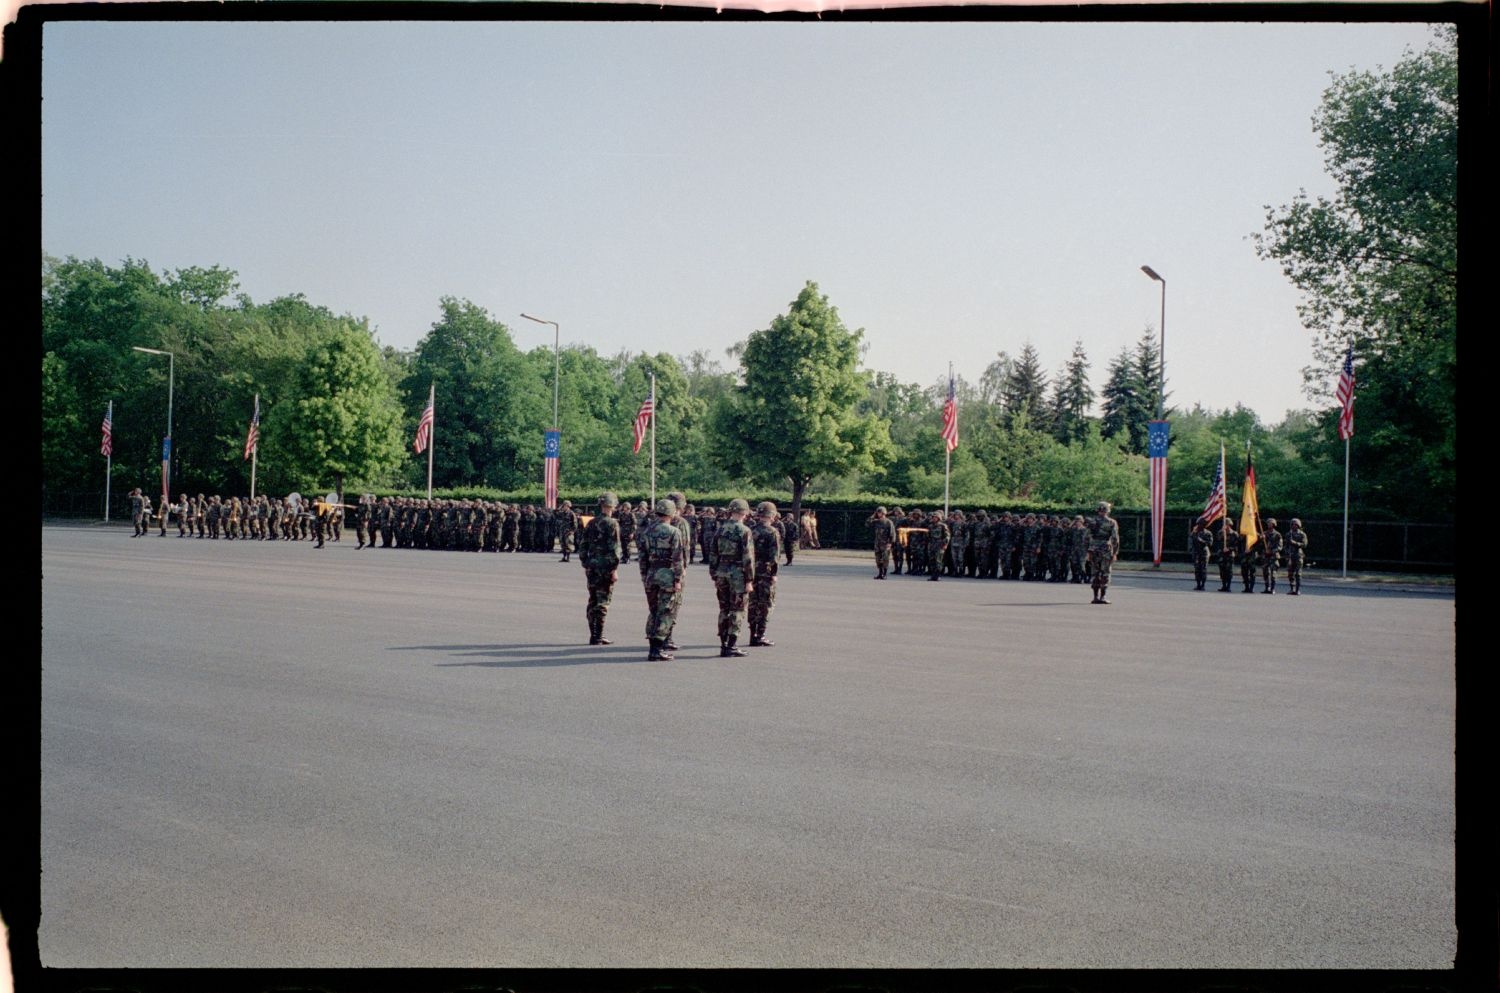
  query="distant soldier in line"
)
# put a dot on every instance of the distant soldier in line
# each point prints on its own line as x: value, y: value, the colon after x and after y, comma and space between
x: 734, y: 576
x: 916, y: 542
x: 1226, y: 547
x: 1201, y: 543
x: 385, y: 519
x: 363, y: 515
x: 567, y: 524
x: 627, y: 531
x: 788, y: 535
x: 1078, y: 548
x: 1270, y: 555
x: 688, y: 514
x: 708, y: 536
x: 510, y: 529
x: 937, y: 544
x: 1104, y: 545
x: 885, y: 537
x: 898, y: 547
x: 599, y: 553
x: 137, y: 502
x: 200, y: 514
x: 1249, y: 563
x: 1296, y: 557
x: 662, y: 562
x: 958, y: 532
x: 763, y: 596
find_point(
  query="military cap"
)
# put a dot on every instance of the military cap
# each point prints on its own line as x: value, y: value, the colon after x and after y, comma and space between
x: 1296, y: 523
x: 1104, y: 506
x: 665, y: 507
x: 678, y: 499
x: 738, y: 506
x: 879, y: 510
x: 608, y: 500
x: 766, y: 508
x: 1270, y: 522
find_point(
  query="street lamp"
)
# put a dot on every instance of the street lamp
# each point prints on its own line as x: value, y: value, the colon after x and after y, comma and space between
x: 166, y: 460
x: 1161, y: 369
x: 556, y: 362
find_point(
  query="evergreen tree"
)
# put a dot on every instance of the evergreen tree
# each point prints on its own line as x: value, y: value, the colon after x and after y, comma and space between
x: 1026, y: 386
x: 1071, y: 398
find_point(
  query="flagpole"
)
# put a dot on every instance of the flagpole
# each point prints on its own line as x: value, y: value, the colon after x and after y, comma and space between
x: 109, y: 459
x: 947, y: 451
x: 255, y: 452
x: 1344, y: 574
x: 653, y: 441
x: 431, y: 434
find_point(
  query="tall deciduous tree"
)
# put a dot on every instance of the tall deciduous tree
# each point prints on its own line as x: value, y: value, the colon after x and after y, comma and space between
x: 796, y: 415
x: 1377, y: 264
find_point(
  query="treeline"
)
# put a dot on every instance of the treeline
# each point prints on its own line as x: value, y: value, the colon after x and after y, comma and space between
x: 339, y: 411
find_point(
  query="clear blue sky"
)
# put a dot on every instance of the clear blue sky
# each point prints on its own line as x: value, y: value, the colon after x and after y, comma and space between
x: 956, y: 189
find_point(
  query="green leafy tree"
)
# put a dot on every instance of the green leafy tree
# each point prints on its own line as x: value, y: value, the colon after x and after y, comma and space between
x: 796, y: 416
x: 1377, y: 266
x: 345, y: 421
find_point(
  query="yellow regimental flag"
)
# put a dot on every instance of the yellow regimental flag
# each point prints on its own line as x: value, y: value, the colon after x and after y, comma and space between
x: 1250, y: 515
x: 903, y: 535
x: 583, y: 520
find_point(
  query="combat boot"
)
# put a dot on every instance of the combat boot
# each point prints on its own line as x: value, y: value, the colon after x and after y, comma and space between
x: 759, y: 641
x: 1102, y: 591
x: 658, y: 652
x: 728, y: 651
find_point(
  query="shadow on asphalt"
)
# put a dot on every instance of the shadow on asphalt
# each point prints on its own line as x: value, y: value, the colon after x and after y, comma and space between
x: 504, y: 656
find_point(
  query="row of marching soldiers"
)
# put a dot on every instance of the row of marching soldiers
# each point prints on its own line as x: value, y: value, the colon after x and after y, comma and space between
x: 258, y: 518
x: 464, y: 525
x: 1037, y: 547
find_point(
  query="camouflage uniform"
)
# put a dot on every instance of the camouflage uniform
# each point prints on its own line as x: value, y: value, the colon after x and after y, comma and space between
x: 733, y: 571
x: 1296, y: 556
x: 662, y: 561
x: 1226, y: 547
x: 898, y: 550
x: 1078, y: 547
x: 1201, y: 541
x: 916, y: 543
x: 1271, y: 545
x: 708, y: 531
x: 599, y: 553
x: 763, y: 597
x: 1104, y: 545
x: 1249, y: 562
x: 937, y: 544
x: 789, y: 535
x: 627, y: 531
x: 567, y: 524
x: 885, y: 536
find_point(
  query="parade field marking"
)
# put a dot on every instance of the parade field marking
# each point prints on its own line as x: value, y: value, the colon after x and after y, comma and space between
x: 259, y: 754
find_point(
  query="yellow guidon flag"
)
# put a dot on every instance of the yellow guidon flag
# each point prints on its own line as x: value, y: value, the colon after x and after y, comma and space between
x: 1250, y: 514
x: 903, y: 535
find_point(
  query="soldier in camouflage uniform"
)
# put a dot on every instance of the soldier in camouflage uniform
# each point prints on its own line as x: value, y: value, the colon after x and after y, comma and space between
x: 1272, y: 543
x: 599, y: 553
x: 763, y: 596
x: 1201, y: 543
x: 958, y: 537
x: 1227, y: 548
x: 662, y: 563
x: 1296, y: 557
x: 789, y: 535
x: 885, y: 537
x: 1104, y: 546
x: 627, y: 531
x: 916, y: 542
x: 1005, y: 545
x: 1077, y: 538
x: 567, y: 524
x: 937, y: 544
x: 734, y: 576
x: 898, y: 550
x: 708, y: 533
x: 528, y: 528
x: 1249, y: 562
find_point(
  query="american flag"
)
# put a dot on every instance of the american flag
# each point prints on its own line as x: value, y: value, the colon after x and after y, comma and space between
x: 950, y: 418
x: 252, y: 439
x: 424, y: 426
x: 1214, y: 508
x: 1345, y: 395
x: 549, y: 471
x: 643, y: 421
x: 107, y: 442
x: 1156, y: 452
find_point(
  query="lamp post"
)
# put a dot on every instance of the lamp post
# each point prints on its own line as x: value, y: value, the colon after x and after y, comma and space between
x: 553, y: 439
x: 166, y: 448
x: 1161, y: 355
x: 556, y: 362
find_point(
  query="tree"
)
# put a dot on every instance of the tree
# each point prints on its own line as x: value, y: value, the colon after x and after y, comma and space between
x: 1122, y: 402
x: 344, y: 423
x: 1071, y: 398
x: 1026, y: 386
x: 797, y: 415
x: 1377, y: 265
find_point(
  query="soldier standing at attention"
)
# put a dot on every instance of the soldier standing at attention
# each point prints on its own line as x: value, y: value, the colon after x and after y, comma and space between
x: 916, y: 542
x: 685, y: 530
x: 567, y: 524
x: 708, y: 536
x: 788, y: 535
x: 362, y: 516
x: 937, y: 544
x: 1201, y: 542
x: 898, y: 548
x: 1271, y: 545
x: 662, y: 559
x: 1104, y: 546
x: 1296, y: 556
x: 1078, y: 547
x: 1249, y: 563
x: 136, y: 503
x: 763, y: 596
x: 885, y: 538
x: 599, y: 553
x: 734, y: 576
x: 627, y: 531
x: 1226, y: 547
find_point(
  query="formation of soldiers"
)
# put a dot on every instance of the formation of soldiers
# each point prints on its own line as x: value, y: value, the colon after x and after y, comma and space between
x: 1033, y: 547
x: 1264, y: 558
x: 259, y: 518
x: 741, y: 560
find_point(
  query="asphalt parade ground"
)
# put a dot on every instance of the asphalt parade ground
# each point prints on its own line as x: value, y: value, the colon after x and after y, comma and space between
x: 259, y: 754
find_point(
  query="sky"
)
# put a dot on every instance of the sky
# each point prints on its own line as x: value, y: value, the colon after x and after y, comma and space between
x: 956, y: 189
